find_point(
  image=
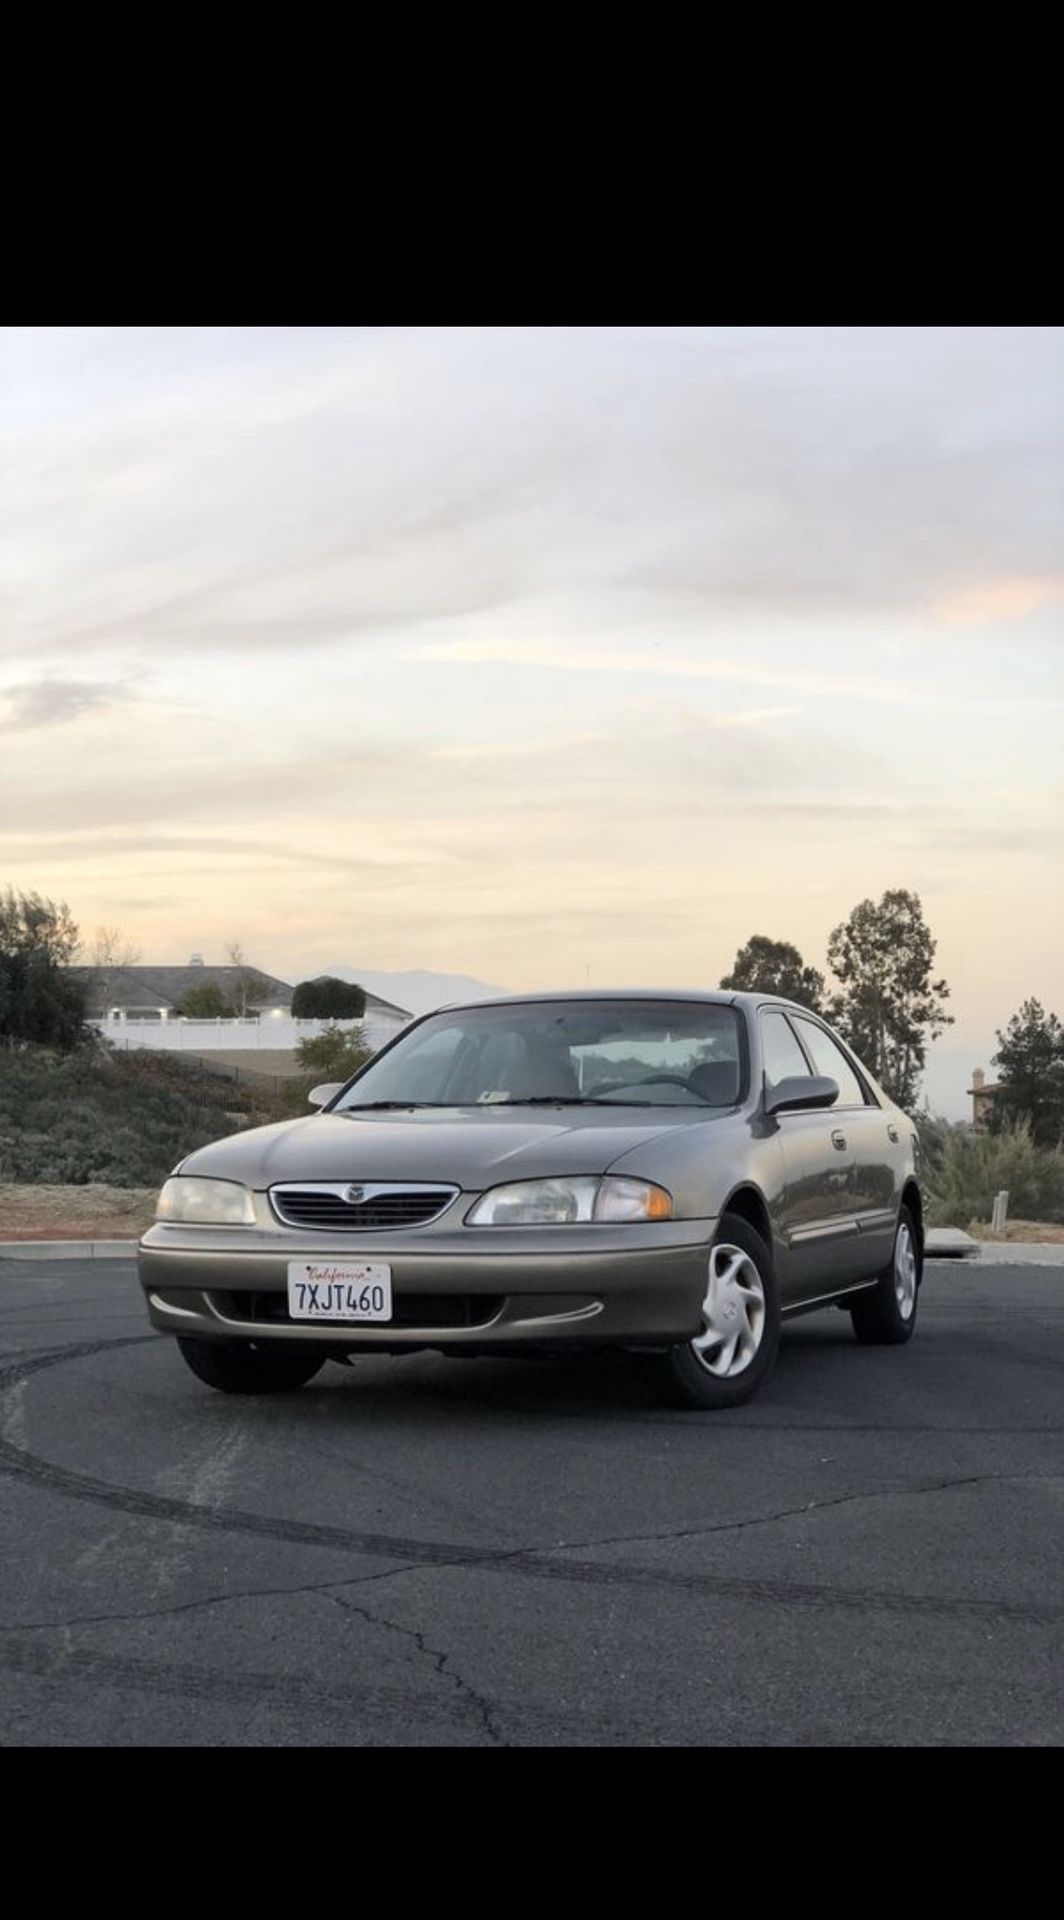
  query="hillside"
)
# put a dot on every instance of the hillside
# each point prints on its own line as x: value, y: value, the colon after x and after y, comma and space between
x: 120, y: 1120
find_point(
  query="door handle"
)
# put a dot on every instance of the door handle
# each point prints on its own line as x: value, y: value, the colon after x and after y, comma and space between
x: 892, y: 1134
x: 838, y: 1139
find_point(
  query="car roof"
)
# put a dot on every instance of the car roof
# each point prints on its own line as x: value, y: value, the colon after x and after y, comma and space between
x: 715, y: 998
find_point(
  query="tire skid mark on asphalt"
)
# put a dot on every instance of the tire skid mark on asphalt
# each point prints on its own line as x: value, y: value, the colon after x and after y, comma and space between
x: 405, y: 1486
x: 519, y: 1562
x: 13, y: 1422
x: 338, y: 1701
x: 738, y: 1422
x: 207, y: 1484
x: 232, y: 1596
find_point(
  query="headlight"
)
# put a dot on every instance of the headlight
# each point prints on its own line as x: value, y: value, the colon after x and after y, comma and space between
x: 561, y: 1203
x: 206, y: 1203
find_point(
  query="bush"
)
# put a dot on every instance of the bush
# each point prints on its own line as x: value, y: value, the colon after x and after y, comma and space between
x: 122, y: 1119
x: 206, y: 1002
x: 328, y: 999
x: 965, y: 1171
x: 333, y: 1055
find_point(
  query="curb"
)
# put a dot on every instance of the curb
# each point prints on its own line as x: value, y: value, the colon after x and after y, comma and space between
x: 67, y: 1249
x: 949, y: 1243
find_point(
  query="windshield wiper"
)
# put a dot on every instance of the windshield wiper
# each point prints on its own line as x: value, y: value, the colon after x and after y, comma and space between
x: 487, y: 1106
x: 569, y: 1100
x: 393, y: 1106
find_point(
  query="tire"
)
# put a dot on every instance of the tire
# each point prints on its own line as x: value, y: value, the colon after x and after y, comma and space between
x: 885, y: 1316
x: 685, y: 1376
x: 236, y: 1366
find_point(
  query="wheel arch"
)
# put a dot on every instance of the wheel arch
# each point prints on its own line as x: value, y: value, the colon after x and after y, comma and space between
x: 750, y: 1205
x: 912, y: 1198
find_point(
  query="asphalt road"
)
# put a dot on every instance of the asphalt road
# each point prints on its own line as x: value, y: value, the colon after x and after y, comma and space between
x: 433, y: 1552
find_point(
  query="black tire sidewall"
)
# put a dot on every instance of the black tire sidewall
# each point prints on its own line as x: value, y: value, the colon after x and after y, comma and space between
x: 236, y: 1366
x: 877, y: 1317
x: 680, y: 1376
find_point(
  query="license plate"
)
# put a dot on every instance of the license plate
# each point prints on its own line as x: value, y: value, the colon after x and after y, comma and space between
x: 339, y: 1290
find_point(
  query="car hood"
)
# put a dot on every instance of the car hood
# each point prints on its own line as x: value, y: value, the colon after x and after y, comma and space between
x: 471, y: 1149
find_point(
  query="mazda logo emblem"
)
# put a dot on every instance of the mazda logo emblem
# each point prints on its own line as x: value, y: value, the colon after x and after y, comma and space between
x: 353, y: 1195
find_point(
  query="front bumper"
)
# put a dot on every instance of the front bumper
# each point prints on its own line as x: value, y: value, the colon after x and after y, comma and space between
x: 463, y: 1289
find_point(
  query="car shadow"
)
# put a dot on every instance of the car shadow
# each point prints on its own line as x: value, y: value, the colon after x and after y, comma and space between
x: 602, y: 1385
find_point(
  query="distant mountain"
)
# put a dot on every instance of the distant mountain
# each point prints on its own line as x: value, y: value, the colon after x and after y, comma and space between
x: 416, y: 990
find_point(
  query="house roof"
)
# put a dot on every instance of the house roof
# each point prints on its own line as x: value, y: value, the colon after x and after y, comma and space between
x: 166, y: 986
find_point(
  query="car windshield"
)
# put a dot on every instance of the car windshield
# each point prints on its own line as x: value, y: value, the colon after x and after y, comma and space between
x: 620, y: 1053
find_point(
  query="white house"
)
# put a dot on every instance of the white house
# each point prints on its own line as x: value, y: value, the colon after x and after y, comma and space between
x: 137, y: 1007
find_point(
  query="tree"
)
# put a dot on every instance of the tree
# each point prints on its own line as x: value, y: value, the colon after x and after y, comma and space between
x: 337, y: 1053
x: 328, y: 999
x: 774, y: 966
x: 39, y: 1001
x: 889, y: 1008
x: 1031, y: 1080
x: 207, y: 1002
x: 111, y: 948
x: 249, y: 989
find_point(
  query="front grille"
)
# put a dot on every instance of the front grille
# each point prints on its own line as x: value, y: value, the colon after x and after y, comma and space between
x: 408, y: 1310
x: 325, y: 1209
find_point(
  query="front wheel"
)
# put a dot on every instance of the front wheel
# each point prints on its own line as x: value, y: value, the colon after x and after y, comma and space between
x: 735, y: 1351
x: 236, y: 1366
x: 885, y: 1316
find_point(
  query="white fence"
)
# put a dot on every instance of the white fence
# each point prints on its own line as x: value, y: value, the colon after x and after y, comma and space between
x: 205, y: 1036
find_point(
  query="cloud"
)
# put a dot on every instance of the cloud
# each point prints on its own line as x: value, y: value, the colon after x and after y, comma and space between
x: 511, y: 750
x: 260, y: 489
x: 55, y: 702
x: 1004, y: 600
x: 666, y: 666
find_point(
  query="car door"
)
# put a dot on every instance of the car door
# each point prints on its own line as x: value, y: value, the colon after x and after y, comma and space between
x: 872, y: 1137
x: 815, y: 1214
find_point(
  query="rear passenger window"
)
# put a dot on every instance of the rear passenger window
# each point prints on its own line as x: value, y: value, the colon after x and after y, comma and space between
x: 784, y: 1059
x: 830, y: 1060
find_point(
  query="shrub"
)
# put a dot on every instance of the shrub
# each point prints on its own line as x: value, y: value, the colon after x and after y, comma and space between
x: 328, y: 999
x: 964, y: 1172
x: 333, y: 1055
x: 206, y: 1002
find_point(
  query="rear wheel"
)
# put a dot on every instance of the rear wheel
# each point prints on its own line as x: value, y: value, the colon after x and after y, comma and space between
x: 885, y: 1316
x: 236, y: 1366
x: 735, y: 1351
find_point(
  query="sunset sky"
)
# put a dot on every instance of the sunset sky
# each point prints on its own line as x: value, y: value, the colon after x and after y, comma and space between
x: 540, y: 654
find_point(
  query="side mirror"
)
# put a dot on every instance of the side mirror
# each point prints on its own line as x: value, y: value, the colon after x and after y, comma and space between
x: 795, y: 1095
x: 320, y: 1096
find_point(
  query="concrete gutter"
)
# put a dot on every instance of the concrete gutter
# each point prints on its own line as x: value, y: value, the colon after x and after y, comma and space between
x: 1022, y: 1253
x: 67, y: 1249
x: 949, y: 1243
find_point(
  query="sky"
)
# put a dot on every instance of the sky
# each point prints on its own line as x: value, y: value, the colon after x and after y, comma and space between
x: 554, y: 656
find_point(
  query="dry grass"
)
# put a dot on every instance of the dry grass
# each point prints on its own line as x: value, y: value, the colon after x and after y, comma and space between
x: 1049, y: 1232
x: 75, y: 1213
